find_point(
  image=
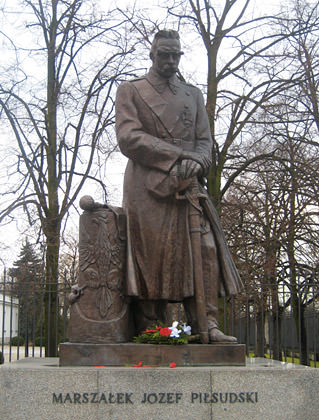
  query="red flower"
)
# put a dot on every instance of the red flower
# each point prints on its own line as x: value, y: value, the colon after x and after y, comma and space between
x: 152, y: 331
x: 139, y: 365
x: 165, y: 332
x: 172, y: 365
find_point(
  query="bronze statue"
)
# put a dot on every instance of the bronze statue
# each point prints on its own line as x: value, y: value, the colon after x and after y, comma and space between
x: 176, y: 250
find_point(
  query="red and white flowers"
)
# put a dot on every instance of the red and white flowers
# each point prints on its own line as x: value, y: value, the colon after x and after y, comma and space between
x: 177, y: 333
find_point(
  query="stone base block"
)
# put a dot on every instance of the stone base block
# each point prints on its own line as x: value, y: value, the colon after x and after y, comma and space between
x: 128, y: 354
x: 38, y: 389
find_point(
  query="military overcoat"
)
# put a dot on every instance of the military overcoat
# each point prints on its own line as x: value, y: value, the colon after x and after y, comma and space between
x: 157, y: 122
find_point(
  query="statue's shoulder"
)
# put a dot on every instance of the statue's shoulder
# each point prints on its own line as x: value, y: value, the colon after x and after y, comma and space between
x: 130, y: 86
x: 137, y: 79
x: 133, y: 84
x: 184, y: 83
x: 189, y: 86
x: 191, y: 90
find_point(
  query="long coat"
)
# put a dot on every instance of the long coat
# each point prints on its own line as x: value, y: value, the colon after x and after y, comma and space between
x: 156, y: 122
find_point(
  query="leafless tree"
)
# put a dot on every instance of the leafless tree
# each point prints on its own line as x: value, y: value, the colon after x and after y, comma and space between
x: 57, y: 102
x: 246, y: 69
x: 271, y: 214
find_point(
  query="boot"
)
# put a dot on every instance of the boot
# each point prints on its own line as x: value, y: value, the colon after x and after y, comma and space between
x: 215, y: 334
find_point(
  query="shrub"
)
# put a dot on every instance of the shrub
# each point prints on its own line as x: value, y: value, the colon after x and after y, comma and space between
x: 38, y: 342
x: 17, y: 341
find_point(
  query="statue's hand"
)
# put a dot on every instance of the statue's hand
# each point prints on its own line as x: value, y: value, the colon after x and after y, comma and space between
x: 204, y: 161
x: 189, y: 168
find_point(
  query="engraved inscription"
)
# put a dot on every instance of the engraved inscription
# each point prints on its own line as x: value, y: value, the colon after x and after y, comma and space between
x: 224, y: 397
x: 162, y: 397
x: 247, y: 397
x: 92, y: 397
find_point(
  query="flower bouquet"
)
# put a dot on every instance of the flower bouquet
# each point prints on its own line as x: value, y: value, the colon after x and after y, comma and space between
x: 178, y: 333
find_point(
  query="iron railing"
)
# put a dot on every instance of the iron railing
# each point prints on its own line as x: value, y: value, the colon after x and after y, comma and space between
x: 272, y: 321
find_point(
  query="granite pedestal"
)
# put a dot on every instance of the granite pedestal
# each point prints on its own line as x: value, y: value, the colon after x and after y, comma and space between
x: 85, y: 354
x: 38, y: 389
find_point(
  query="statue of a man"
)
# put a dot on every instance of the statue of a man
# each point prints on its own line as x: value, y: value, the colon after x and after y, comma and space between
x: 162, y: 127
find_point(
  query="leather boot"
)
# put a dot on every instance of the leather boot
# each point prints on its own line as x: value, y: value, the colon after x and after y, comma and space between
x: 215, y: 334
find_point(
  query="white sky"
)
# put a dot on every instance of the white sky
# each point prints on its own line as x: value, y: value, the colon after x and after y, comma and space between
x: 11, y: 237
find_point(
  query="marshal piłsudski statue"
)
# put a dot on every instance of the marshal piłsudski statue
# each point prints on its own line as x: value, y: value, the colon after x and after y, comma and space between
x: 176, y: 250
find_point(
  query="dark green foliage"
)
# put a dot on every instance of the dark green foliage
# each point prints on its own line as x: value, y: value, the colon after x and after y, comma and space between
x: 39, y: 341
x: 160, y: 335
x: 28, y: 274
x: 158, y: 339
x: 17, y: 341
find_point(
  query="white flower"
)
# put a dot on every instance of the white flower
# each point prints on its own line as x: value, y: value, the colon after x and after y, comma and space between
x: 175, y: 331
x: 187, y: 329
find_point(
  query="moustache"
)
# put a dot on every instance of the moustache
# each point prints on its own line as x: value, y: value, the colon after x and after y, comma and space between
x: 169, y: 67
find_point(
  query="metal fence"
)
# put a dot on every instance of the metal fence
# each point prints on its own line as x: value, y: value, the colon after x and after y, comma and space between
x: 23, y: 316
x: 272, y: 321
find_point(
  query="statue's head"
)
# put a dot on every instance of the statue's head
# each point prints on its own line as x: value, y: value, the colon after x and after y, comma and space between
x: 166, y: 52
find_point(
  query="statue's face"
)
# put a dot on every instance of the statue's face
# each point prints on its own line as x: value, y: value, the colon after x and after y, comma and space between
x: 166, y: 57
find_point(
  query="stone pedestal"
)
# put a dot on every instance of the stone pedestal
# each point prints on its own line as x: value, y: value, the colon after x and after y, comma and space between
x: 84, y: 354
x: 38, y: 389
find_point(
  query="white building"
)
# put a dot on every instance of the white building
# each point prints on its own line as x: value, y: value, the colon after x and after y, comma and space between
x: 9, y: 316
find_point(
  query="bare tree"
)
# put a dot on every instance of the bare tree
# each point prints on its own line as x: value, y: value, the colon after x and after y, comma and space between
x: 303, y: 47
x: 246, y: 69
x: 254, y: 221
x: 275, y: 232
x: 59, y: 112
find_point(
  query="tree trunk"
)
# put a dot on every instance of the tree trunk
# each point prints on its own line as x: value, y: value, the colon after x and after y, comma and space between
x: 51, y: 289
x: 299, y: 316
x: 52, y: 222
x: 260, y: 334
x: 276, y: 322
x: 277, y: 311
x: 304, y: 359
x: 214, y: 176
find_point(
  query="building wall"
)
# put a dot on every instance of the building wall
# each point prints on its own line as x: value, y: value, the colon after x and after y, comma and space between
x: 9, y: 313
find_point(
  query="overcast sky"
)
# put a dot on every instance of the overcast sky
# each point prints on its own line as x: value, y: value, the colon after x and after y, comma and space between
x: 11, y: 239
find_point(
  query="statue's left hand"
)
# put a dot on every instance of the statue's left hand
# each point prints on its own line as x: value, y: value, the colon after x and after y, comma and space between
x: 189, y: 168
x: 203, y: 160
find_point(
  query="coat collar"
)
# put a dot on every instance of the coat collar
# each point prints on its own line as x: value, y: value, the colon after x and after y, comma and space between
x: 160, y: 83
